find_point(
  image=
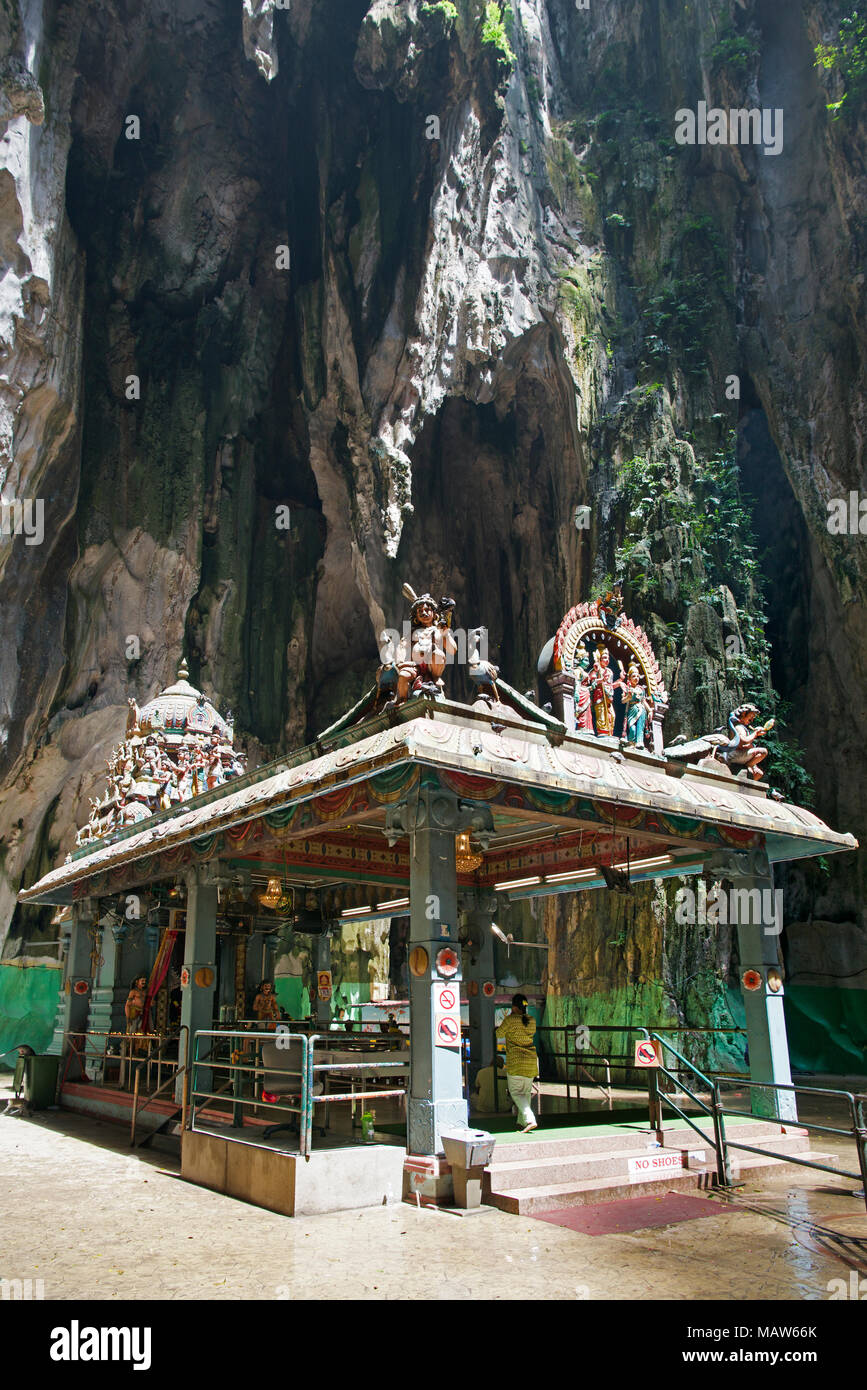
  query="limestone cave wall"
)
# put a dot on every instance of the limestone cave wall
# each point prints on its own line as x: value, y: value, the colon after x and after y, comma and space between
x: 433, y: 276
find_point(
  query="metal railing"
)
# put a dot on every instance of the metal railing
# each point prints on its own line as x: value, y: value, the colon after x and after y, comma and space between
x: 584, y: 1060
x: 717, y: 1111
x: 305, y: 1074
x: 118, y: 1049
x: 182, y: 1072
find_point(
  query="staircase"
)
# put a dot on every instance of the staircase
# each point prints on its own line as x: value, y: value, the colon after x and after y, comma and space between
x: 543, y: 1172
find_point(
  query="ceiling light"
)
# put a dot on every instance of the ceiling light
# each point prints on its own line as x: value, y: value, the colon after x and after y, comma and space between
x: 465, y: 859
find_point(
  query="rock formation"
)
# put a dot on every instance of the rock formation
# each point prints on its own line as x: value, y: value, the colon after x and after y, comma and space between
x: 293, y: 294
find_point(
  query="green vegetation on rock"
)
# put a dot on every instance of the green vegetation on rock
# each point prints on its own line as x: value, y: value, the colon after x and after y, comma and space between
x: 495, y: 31
x: 847, y: 56
x: 733, y: 50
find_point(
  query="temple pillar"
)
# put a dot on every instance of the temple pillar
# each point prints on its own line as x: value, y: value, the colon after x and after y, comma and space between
x: 322, y: 961
x: 432, y: 820
x: 752, y: 907
x: 72, y: 1009
x: 479, y: 972
x: 105, y: 1014
x: 200, y: 969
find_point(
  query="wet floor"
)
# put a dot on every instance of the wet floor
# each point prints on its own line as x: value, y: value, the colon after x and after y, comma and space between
x: 95, y: 1221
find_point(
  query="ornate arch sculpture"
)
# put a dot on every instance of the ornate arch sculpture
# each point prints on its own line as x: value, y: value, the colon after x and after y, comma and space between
x: 596, y: 624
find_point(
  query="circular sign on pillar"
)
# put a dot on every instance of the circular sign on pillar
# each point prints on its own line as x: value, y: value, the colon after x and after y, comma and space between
x: 473, y: 988
x: 751, y: 980
x: 185, y: 977
x: 488, y: 989
x: 447, y: 962
x: 775, y: 981
x: 418, y: 961
x: 81, y: 986
x: 204, y: 977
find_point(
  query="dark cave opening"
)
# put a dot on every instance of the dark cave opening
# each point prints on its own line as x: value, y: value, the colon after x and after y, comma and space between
x: 784, y: 550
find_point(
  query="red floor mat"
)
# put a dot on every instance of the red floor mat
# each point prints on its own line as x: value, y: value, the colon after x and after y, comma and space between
x: 633, y: 1214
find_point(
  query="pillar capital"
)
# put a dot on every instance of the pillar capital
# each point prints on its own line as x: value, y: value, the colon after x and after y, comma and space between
x: 739, y: 863
x: 436, y: 809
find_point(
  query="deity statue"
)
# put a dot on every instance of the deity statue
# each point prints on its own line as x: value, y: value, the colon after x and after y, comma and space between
x: 601, y: 683
x: 417, y: 666
x: 265, y: 1005
x: 135, y: 1001
x: 130, y: 812
x: 610, y: 607
x: 183, y: 786
x: 199, y: 772
x: 637, y: 703
x: 132, y: 718
x: 174, y: 748
x: 740, y: 751
x: 583, y: 712
x: 214, y: 775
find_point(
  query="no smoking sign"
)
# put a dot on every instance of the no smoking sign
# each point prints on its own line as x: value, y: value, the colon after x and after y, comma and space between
x: 447, y: 1016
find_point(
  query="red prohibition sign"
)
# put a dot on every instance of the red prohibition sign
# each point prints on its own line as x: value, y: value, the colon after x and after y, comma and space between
x: 647, y: 1052
x: 447, y: 1029
x: 447, y: 999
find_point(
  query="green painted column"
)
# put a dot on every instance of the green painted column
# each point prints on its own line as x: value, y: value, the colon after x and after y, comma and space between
x: 73, y: 1009
x: 752, y: 906
x: 478, y: 958
x: 200, y: 954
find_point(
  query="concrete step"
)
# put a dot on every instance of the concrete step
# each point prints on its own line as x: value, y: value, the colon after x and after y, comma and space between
x: 532, y: 1199
x: 613, y: 1163
x: 638, y: 1139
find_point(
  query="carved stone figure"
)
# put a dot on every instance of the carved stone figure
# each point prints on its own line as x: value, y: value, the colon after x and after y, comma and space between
x: 736, y: 750
x: 601, y: 682
x: 175, y: 747
x: 741, y: 750
x: 135, y: 1001
x: 419, y: 662
x: 636, y: 704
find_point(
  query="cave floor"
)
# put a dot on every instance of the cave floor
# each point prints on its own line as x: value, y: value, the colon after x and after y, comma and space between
x: 78, y: 1217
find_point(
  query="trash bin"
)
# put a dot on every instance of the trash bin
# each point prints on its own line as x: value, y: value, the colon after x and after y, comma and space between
x: 40, y: 1081
x: 468, y: 1151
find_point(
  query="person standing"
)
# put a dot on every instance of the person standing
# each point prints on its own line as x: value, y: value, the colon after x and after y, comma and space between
x: 517, y: 1031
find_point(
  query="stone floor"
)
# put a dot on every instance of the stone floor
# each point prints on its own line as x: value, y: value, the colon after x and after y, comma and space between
x: 94, y: 1221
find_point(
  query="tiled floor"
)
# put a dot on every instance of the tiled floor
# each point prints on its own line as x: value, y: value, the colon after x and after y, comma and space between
x: 95, y: 1221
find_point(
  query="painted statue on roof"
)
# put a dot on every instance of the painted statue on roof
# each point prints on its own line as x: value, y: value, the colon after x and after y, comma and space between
x: 176, y: 747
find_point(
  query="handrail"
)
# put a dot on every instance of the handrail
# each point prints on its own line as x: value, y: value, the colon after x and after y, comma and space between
x: 367, y: 1063
x: 235, y: 1068
x: 858, y: 1128
x: 656, y: 1097
x: 169, y: 1081
x: 722, y: 1143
